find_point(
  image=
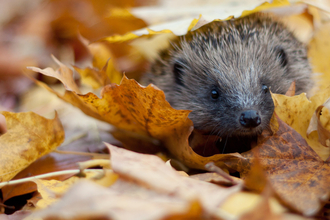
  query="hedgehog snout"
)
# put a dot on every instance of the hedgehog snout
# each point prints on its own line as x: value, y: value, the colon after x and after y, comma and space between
x: 250, y: 119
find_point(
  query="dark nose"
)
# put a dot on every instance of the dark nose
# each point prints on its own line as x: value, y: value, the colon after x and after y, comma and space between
x: 250, y: 119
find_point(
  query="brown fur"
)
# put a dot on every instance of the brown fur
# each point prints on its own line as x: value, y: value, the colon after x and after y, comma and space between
x: 236, y: 58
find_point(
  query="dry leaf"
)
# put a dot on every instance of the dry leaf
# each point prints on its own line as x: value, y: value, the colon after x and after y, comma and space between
x: 212, y: 177
x: 25, y: 142
x: 19, y: 215
x: 147, y: 189
x: 101, y: 70
x: 64, y: 74
x: 49, y: 163
x: 296, y: 173
x: 103, y: 203
x: 263, y: 209
x: 156, y: 175
x: 316, y: 124
x: 297, y: 111
x: 319, y: 55
x: 292, y: 89
x: 52, y: 190
x: 142, y: 112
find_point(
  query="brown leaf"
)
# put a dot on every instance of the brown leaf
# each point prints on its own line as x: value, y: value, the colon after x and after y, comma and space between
x: 256, y: 178
x: 214, y: 178
x: 16, y: 216
x: 151, y: 172
x: 111, y: 203
x: 29, y: 137
x: 296, y: 173
x: 146, y: 189
x: 64, y: 74
x: 292, y: 89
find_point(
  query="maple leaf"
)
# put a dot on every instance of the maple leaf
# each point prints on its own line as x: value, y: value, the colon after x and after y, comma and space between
x: 143, y: 112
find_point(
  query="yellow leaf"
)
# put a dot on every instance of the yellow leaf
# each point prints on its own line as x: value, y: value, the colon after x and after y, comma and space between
x: 266, y: 5
x: 91, y: 77
x: 52, y: 190
x: 297, y: 112
x: 28, y: 138
x: 101, y: 54
x: 242, y: 202
x: 121, y: 38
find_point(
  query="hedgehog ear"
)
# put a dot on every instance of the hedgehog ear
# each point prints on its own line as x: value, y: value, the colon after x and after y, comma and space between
x: 178, y: 71
x: 281, y: 55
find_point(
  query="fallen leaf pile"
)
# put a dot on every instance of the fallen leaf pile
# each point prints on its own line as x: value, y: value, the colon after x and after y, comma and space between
x: 127, y: 153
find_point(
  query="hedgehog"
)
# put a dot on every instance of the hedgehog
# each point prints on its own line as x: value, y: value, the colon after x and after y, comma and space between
x: 224, y: 72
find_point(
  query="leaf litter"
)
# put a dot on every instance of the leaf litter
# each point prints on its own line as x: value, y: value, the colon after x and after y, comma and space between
x: 293, y: 165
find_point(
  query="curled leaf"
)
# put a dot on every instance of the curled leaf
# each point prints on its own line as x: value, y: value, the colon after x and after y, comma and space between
x: 316, y: 124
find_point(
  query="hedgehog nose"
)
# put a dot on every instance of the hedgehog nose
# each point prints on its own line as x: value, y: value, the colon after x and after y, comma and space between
x: 250, y: 119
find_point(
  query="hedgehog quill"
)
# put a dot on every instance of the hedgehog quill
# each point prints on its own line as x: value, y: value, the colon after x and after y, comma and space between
x: 224, y: 72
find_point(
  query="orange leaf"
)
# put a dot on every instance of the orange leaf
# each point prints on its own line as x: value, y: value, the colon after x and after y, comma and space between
x: 144, y: 113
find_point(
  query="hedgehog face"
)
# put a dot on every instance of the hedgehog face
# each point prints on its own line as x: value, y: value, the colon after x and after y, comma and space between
x: 226, y: 98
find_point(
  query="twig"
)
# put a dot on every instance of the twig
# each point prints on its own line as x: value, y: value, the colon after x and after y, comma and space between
x: 213, y: 168
x: 46, y: 175
x: 73, y: 139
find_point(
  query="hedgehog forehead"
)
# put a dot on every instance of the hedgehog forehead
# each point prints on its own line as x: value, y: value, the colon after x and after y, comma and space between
x: 233, y: 58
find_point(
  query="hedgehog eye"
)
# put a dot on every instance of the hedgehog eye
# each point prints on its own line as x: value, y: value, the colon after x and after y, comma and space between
x: 265, y: 88
x: 281, y: 55
x: 178, y: 70
x: 214, y: 94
